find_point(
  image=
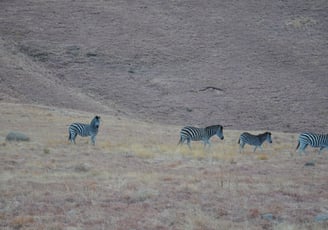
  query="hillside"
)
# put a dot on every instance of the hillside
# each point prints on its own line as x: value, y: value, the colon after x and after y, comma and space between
x: 148, y: 68
x: 244, y: 64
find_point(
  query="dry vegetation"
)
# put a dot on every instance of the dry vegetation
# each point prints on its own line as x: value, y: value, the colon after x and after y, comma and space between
x: 137, y: 178
x: 243, y: 64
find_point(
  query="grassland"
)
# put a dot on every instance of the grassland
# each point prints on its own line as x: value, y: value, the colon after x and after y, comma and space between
x: 136, y: 177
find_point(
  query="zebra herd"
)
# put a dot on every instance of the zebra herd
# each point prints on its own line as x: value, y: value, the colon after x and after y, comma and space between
x: 189, y: 133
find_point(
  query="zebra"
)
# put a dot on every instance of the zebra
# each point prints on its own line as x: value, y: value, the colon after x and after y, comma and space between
x: 312, y: 139
x: 84, y: 130
x: 190, y: 133
x: 255, y: 140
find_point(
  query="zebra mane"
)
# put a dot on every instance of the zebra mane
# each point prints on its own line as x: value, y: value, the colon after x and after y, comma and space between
x: 264, y: 134
x: 214, y: 127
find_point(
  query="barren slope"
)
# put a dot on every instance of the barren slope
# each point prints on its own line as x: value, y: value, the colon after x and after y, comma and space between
x: 154, y: 60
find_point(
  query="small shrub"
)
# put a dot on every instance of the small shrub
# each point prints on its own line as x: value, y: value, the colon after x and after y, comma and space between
x: 46, y: 151
x: 20, y: 221
x: 17, y: 136
x: 263, y: 157
x: 301, y: 22
x: 140, y: 195
x: 253, y: 213
x: 84, y: 167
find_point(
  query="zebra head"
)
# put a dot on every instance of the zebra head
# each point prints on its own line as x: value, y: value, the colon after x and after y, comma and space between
x: 268, y: 137
x: 219, y: 132
x: 95, y: 122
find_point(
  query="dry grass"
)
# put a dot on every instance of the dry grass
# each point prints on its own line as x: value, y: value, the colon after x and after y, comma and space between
x: 136, y: 177
x: 301, y: 22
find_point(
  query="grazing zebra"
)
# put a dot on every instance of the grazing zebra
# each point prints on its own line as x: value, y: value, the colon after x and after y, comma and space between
x: 189, y: 133
x: 312, y: 139
x: 84, y: 130
x: 256, y: 140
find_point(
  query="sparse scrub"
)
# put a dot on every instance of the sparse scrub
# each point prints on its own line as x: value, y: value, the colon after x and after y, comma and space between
x: 17, y: 136
x: 301, y: 22
x: 153, y: 181
x: 140, y: 195
x: 83, y: 167
x: 46, y: 150
x: 263, y: 157
x: 22, y: 221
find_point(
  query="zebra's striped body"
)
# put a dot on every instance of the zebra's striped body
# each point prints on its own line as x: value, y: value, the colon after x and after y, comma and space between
x: 255, y: 140
x: 190, y: 133
x: 312, y: 139
x: 84, y: 130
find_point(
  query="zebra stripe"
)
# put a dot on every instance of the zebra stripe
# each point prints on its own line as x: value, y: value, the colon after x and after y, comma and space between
x: 312, y: 139
x: 255, y: 140
x: 190, y: 133
x: 84, y: 130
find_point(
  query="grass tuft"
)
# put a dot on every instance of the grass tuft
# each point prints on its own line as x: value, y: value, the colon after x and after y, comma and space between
x: 46, y: 151
x: 301, y: 22
x: 262, y: 157
x: 21, y: 221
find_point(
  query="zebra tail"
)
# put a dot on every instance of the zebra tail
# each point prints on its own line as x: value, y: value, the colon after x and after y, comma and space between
x: 69, y: 136
x: 239, y: 141
x: 298, y: 145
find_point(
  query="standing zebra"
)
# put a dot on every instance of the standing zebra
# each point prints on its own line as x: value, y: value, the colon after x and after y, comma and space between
x: 189, y: 133
x: 312, y: 139
x: 255, y: 140
x: 84, y: 130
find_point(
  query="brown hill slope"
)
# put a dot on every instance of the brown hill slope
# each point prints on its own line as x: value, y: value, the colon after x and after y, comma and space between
x: 248, y: 64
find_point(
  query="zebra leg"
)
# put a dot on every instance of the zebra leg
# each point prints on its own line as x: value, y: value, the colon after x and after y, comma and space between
x: 208, y: 149
x: 69, y: 136
x: 298, y: 148
x: 322, y: 148
x: 188, y: 143
x: 72, y: 138
x: 255, y: 149
x: 301, y: 149
x: 241, y: 147
x: 207, y: 142
x: 93, y: 140
x: 181, y: 141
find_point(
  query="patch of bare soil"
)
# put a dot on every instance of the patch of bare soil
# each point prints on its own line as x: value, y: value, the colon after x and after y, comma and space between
x: 244, y: 64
